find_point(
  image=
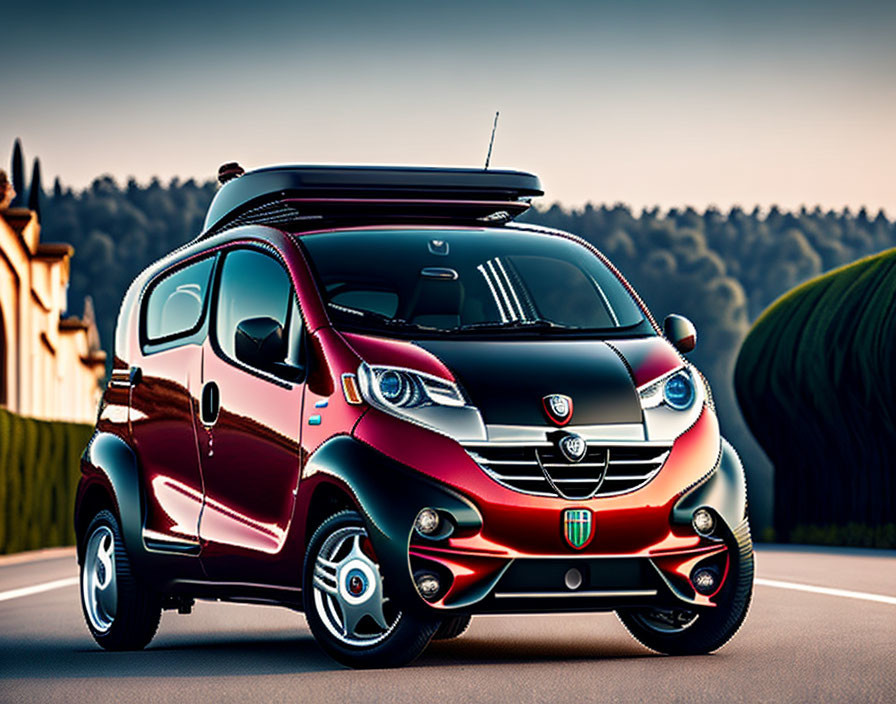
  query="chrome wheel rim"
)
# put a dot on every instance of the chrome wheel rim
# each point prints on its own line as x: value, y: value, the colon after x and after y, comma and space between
x: 667, y: 620
x: 99, y: 588
x: 348, y: 591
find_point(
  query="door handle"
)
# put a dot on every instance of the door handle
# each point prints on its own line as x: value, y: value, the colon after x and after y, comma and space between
x: 210, y: 403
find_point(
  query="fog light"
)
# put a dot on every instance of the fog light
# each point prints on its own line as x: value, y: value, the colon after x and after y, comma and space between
x: 427, y: 522
x: 705, y: 580
x: 703, y: 521
x: 428, y: 585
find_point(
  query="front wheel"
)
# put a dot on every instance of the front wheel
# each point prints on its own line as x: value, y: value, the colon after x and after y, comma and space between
x: 121, y: 613
x: 346, y: 604
x: 686, y: 631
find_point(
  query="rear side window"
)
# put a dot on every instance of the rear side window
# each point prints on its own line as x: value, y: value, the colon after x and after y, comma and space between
x: 175, y: 304
x: 253, y: 285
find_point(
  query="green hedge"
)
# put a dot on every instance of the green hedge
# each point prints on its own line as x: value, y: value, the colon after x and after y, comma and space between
x: 816, y: 382
x: 39, y: 472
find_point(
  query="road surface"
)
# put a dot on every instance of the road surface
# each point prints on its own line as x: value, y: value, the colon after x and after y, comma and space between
x: 822, y: 628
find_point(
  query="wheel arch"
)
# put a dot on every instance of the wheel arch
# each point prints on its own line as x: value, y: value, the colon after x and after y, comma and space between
x: 724, y: 491
x: 110, y: 479
x: 327, y: 499
x: 388, y: 495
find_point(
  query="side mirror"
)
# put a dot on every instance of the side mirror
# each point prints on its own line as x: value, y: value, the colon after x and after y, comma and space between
x: 259, y: 342
x: 680, y: 332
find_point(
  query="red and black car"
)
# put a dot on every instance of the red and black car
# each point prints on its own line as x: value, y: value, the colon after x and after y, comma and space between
x: 365, y: 394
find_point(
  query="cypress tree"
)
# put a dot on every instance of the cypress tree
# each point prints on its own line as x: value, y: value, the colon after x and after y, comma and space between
x: 35, y: 195
x: 18, y: 175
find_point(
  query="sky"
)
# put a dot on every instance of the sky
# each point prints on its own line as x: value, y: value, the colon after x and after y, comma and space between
x: 642, y: 102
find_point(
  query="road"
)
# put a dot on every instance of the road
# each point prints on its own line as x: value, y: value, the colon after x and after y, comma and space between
x: 796, y: 646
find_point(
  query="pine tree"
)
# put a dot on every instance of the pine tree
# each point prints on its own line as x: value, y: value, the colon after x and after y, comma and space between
x: 18, y: 175
x: 35, y: 195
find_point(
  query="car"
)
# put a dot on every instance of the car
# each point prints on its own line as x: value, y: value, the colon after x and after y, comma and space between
x: 368, y: 394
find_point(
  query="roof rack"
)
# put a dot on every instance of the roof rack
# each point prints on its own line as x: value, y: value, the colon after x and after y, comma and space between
x: 307, y: 197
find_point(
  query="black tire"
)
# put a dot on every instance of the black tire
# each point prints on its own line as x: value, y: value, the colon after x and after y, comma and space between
x: 453, y: 627
x: 713, y: 627
x: 407, y: 636
x: 135, y: 617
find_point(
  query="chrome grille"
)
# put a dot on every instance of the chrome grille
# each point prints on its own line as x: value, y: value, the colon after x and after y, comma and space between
x: 540, y: 468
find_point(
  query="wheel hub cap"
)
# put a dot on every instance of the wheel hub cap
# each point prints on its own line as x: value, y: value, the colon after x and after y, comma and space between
x: 99, y: 589
x: 348, y: 590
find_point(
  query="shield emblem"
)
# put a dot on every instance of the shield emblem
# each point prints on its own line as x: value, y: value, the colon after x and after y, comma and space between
x: 578, y: 527
x: 573, y: 447
x: 558, y: 408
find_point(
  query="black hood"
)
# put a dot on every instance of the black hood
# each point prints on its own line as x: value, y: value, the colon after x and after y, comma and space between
x: 508, y: 380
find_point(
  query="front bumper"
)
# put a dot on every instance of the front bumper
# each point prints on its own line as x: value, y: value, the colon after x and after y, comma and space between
x: 507, y: 552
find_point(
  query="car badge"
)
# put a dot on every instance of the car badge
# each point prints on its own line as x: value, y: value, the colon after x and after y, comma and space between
x: 573, y: 447
x: 558, y: 408
x: 578, y: 527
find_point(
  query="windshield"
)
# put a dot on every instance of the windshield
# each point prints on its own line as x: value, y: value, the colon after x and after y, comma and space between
x: 455, y: 282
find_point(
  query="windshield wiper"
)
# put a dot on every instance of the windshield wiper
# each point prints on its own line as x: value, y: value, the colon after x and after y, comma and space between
x: 352, y: 315
x: 538, y: 324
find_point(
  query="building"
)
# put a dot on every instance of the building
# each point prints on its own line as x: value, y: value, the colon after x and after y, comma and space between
x: 50, y: 366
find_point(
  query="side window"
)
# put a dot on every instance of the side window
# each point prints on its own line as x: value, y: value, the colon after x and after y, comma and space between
x: 175, y: 304
x: 255, y: 285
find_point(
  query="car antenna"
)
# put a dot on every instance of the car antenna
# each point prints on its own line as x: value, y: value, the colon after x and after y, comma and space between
x: 491, y: 142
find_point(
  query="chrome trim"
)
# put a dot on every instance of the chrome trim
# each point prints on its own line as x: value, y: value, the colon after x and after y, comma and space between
x: 490, y: 468
x: 554, y: 595
x: 598, y: 483
x: 531, y: 434
x: 178, y: 545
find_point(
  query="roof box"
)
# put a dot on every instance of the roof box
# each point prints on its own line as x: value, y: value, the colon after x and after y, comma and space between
x: 300, y: 198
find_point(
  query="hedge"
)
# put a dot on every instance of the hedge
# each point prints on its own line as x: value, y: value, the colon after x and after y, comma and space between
x: 39, y: 472
x: 816, y: 382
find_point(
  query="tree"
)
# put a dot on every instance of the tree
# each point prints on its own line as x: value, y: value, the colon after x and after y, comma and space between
x: 18, y: 175
x: 35, y: 195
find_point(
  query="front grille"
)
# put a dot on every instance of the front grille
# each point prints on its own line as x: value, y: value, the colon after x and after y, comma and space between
x: 540, y: 468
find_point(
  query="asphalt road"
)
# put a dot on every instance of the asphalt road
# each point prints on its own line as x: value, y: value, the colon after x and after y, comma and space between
x: 796, y: 646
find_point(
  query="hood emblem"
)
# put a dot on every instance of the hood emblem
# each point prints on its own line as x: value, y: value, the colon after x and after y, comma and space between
x: 573, y: 447
x: 558, y: 408
x: 578, y: 527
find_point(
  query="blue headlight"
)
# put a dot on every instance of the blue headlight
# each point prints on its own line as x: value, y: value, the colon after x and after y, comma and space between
x: 392, y: 385
x: 679, y: 391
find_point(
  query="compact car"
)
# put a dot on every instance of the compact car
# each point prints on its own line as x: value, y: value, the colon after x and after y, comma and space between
x: 367, y: 394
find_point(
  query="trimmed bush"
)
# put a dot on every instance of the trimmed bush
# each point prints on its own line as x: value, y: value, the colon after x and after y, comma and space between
x: 816, y: 382
x: 39, y: 472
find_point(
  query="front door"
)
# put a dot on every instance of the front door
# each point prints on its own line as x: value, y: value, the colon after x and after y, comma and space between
x: 162, y: 404
x: 250, y: 420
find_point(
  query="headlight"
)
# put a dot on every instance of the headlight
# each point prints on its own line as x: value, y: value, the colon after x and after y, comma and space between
x: 406, y: 388
x: 673, y: 402
x: 421, y: 398
x: 679, y: 391
x: 676, y: 389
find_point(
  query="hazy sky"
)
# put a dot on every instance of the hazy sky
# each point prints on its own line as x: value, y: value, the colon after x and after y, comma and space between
x: 642, y: 102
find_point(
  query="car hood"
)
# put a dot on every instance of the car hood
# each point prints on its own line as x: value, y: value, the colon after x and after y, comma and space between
x: 507, y: 380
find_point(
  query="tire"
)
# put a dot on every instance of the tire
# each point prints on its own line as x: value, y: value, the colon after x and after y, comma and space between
x: 712, y: 627
x: 453, y: 627
x: 120, y: 612
x: 362, y: 629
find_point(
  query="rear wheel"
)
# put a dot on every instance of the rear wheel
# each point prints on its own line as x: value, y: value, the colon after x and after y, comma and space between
x: 346, y: 604
x: 695, y: 631
x: 121, y: 613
